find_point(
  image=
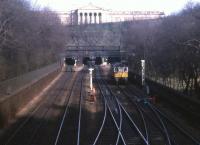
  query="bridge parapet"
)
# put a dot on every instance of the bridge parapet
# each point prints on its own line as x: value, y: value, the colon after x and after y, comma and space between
x: 92, y: 51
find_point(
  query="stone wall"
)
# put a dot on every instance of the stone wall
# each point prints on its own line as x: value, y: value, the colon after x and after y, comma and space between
x: 11, y: 104
x: 10, y: 86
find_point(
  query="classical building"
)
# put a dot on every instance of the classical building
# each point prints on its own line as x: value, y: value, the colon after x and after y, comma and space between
x: 91, y: 14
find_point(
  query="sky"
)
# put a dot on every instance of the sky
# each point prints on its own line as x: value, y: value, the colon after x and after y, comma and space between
x: 167, y: 6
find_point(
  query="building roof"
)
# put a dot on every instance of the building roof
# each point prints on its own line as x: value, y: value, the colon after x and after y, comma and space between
x: 90, y: 6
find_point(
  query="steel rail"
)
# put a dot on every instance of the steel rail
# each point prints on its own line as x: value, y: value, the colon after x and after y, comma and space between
x: 30, y: 142
x: 112, y: 101
x: 65, y: 112
x: 165, y: 131
x: 196, y: 141
x: 140, y: 112
x: 134, y: 124
x: 27, y: 119
x: 163, y: 125
x: 121, y: 106
x: 127, y: 114
x: 155, y: 123
x: 80, y: 110
x: 111, y: 113
x: 102, y: 124
x: 120, y: 120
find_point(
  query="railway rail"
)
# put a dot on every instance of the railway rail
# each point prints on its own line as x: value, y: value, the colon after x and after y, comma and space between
x: 154, y: 128
x: 113, y: 121
x: 121, y: 115
x: 29, y: 130
x: 183, y: 105
x: 157, y: 128
x: 176, y: 133
x: 125, y: 118
x: 68, y: 130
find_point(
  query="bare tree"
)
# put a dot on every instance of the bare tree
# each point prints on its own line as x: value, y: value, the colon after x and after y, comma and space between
x: 28, y: 39
x: 170, y: 46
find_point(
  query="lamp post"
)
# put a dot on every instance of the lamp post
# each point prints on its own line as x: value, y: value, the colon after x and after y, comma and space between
x: 91, y: 84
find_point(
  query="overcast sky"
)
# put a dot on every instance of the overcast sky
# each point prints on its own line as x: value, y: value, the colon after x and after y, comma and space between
x: 168, y: 6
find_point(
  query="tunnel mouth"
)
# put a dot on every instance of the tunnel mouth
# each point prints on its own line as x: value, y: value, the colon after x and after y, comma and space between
x: 69, y: 61
x: 98, y: 61
x: 86, y: 60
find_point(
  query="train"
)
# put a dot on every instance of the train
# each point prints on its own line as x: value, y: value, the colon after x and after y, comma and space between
x: 120, y: 72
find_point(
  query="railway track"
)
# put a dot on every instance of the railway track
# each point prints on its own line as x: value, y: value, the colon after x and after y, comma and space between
x: 127, y: 131
x: 131, y: 131
x: 125, y: 118
x: 152, y: 126
x: 69, y: 128
x: 28, y: 129
x: 57, y: 109
x: 112, y: 123
x: 176, y: 134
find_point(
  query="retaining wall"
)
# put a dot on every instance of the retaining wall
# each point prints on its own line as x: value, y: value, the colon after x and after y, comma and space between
x: 12, y: 103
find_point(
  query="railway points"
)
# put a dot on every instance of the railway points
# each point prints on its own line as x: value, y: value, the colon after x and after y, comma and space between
x: 67, y: 116
x: 93, y: 76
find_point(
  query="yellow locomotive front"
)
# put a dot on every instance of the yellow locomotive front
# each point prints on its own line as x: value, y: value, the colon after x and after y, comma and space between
x: 120, y: 73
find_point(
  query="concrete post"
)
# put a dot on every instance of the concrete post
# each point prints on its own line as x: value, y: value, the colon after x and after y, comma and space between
x: 143, y: 72
x: 91, y: 84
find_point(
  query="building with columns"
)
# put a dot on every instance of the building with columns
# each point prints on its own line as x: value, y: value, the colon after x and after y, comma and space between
x: 91, y: 14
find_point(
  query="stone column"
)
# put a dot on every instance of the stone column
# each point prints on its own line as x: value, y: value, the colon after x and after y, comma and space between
x: 95, y: 18
x: 86, y: 20
x: 100, y: 18
x: 90, y: 14
x: 81, y: 18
